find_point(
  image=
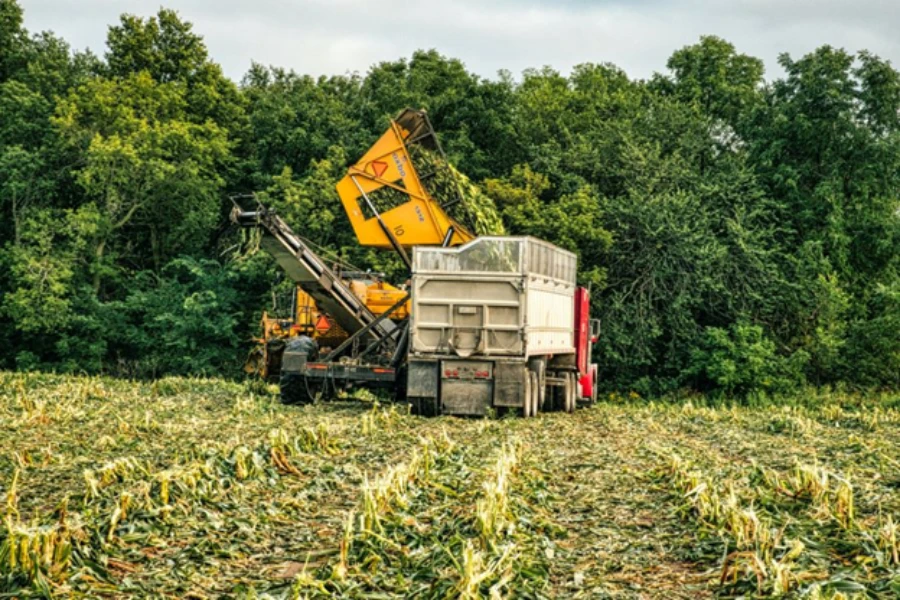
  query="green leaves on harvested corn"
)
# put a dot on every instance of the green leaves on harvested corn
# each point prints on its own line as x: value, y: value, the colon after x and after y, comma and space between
x: 209, y: 488
x: 447, y: 185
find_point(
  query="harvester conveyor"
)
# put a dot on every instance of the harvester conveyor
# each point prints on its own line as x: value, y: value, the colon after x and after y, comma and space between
x: 309, y: 271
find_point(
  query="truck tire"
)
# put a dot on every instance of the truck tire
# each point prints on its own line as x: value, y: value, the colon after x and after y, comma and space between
x: 292, y: 389
x: 299, y: 389
x: 556, y: 396
x: 424, y: 407
x: 541, y: 396
x: 401, y: 386
x: 526, y: 395
x: 572, y: 395
x: 294, y: 386
x: 537, y: 367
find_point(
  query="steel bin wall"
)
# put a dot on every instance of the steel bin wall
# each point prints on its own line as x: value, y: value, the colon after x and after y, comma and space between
x: 495, y: 296
x: 550, y: 316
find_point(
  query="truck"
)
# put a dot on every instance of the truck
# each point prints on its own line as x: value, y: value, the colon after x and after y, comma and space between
x: 498, y: 323
x: 487, y: 324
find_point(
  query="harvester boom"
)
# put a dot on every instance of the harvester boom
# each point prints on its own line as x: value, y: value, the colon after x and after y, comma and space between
x: 307, y: 269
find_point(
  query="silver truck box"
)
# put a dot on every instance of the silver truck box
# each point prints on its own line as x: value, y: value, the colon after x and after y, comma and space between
x: 481, y: 313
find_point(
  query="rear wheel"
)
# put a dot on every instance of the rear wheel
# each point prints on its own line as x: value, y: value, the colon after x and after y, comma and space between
x: 424, y: 407
x: 541, y: 403
x: 526, y: 395
x: 573, y: 397
x: 296, y: 388
x: 535, y: 394
x: 293, y: 389
x: 564, y: 393
x: 400, y: 386
x: 556, y: 394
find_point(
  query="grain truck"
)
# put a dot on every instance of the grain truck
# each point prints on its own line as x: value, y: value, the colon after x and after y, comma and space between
x: 498, y: 323
x: 490, y: 323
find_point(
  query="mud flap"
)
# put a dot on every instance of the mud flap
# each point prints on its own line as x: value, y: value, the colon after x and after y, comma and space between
x: 509, y: 384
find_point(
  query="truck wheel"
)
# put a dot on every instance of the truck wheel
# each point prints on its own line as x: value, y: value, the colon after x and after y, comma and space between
x: 400, y: 386
x: 299, y: 389
x: 424, y: 407
x: 535, y: 394
x: 319, y: 391
x: 538, y: 366
x: 541, y: 396
x: 293, y: 389
x: 573, y: 393
x: 555, y: 395
x: 526, y: 395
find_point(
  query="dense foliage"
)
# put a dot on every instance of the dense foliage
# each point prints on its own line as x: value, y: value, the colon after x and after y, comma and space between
x: 740, y: 235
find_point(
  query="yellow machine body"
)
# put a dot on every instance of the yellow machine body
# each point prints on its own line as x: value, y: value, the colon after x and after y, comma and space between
x: 414, y: 218
x: 265, y: 358
x: 380, y: 296
x: 420, y: 220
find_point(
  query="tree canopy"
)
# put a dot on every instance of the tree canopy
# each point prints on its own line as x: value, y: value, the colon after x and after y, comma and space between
x: 740, y: 235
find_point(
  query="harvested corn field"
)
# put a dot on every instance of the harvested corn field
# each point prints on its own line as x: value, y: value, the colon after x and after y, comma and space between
x: 188, y: 488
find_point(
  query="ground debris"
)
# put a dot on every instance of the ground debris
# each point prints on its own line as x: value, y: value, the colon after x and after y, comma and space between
x: 206, y: 488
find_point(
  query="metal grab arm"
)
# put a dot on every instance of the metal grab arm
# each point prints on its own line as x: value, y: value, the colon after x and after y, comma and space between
x: 421, y: 219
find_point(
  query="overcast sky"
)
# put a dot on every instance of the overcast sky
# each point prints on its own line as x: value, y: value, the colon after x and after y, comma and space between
x: 339, y: 36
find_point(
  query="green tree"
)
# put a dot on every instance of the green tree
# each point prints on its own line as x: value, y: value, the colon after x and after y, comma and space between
x: 474, y: 116
x: 296, y: 119
x: 826, y: 146
x: 20, y: 184
x: 45, y: 307
x: 24, y: 136
x: 182, y: 321
x: 714, y: 78
x: 166, y: 48
x: 573, y: 221
x: 741, y: 360
x: 152, y: 173
x: 12, y: 39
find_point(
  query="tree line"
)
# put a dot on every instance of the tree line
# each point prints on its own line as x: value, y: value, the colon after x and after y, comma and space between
x: 740, y: 235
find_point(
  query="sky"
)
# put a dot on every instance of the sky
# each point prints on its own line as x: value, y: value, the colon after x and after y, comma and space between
x: 332, y: 37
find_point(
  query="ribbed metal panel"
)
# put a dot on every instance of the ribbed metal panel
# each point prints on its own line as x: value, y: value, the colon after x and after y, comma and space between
x: 484, y: 299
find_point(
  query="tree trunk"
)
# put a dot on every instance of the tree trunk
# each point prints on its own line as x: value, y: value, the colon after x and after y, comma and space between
x: 98, y: 256
x: 154, y: 245
x: 17, y: 226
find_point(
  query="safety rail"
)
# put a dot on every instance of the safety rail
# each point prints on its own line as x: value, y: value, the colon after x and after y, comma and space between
x: 499, y: 254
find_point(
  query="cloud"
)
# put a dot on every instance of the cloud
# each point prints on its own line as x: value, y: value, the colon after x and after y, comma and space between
x: 324, y: 37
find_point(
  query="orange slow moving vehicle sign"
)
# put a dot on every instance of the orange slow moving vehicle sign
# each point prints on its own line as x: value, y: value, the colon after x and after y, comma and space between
x: 323, y: 324
x: 378, y: 167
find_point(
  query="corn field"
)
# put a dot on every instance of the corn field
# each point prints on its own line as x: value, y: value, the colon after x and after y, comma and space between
x: 193, y: 488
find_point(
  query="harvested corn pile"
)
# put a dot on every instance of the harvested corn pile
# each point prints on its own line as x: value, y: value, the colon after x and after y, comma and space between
x: 475, y: 209
x: 203, y: 488
x: 445, y: 183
